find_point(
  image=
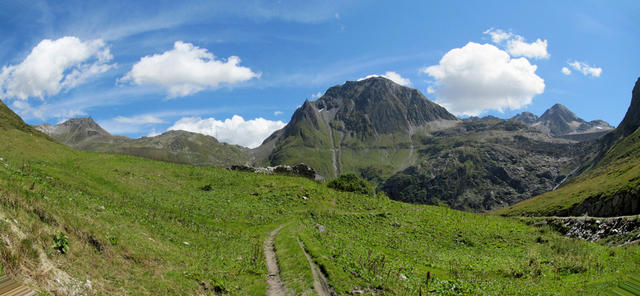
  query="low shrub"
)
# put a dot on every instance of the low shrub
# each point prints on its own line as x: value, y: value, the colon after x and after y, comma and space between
x: 351, y: 183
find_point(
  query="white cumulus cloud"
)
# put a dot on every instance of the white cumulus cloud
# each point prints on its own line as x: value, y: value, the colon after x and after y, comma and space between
x: 517, y: 46
x: 566, y: 71
x: 236, y: 130
x: 393, y: 76
x: 55, y: 65
x: 186, y: 70
x: 481, y: 77
x: 498, y: 35
x: 585, y: 69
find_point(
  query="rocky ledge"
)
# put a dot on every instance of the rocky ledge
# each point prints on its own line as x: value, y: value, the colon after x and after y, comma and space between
x: 300, y: 170
x: 619, y: 231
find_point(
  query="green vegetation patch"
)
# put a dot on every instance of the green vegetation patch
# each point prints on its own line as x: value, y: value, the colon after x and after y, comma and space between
x: 351, y: 183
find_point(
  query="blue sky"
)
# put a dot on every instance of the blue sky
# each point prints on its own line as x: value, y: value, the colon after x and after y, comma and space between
x: 238, y: 69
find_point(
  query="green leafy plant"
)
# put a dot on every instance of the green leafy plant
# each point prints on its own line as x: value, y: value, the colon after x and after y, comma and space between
x: 351, y: 183
x: 61, y: 242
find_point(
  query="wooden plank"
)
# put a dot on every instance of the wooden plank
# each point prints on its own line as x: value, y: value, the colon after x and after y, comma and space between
x: 9, y: 287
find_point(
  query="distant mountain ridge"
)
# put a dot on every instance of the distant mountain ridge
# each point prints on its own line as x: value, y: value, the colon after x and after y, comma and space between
x: 174, y: 146
x: 560, y: 121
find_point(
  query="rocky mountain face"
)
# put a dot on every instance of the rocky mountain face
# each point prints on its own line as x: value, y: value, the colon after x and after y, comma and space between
x: 631, y: 120
x: 74, y: 132
x: 527, y: 118
x: 360, y: 125
x: 175, y: 146
x: 485, y: 165
x: 559, y: 121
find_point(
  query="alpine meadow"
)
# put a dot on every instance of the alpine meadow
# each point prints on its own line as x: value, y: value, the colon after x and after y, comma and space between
x: 319, y: 148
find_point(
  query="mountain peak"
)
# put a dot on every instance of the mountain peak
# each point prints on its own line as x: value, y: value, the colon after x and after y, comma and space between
x: 374, y: 80
x: 631, y: 119
x: 74, y: 130
x: 82, y: 122
x: 559, y: 112
x: 559, y: 107
x: 374, y: 112
x: 559, y: 121
x: 377, y: 105
x: 526, y: 117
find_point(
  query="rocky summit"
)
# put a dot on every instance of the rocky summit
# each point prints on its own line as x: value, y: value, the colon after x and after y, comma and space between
x: 631, y: 119
x: 75, y: 131
x: 366, y: 124
x: 560, y: 121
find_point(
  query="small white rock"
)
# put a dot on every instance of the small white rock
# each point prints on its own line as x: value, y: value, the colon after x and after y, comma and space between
x: 185, y: 243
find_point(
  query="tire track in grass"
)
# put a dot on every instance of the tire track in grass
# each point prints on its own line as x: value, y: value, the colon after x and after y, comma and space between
x: 274, y: 281
x: 320, y: 282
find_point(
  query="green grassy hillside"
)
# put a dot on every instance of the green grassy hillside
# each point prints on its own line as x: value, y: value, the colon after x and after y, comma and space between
x: 141, y: 227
